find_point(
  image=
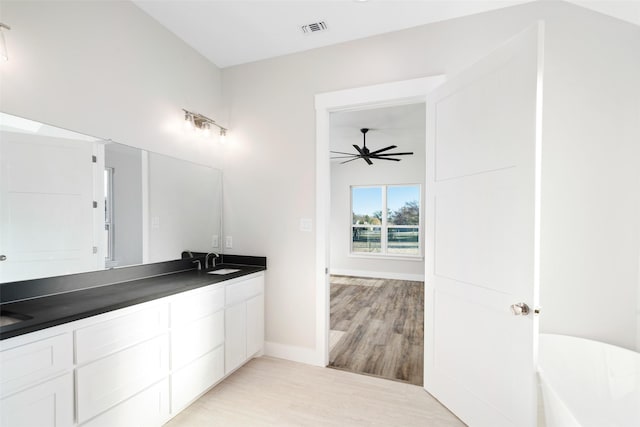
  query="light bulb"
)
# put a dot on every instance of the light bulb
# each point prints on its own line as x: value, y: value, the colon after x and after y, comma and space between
x: 188, y: 121
x: 223, y: 135
x: 206, y: 129
x: 4, y: 53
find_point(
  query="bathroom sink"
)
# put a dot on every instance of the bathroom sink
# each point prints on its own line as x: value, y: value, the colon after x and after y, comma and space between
x: 224, y: 271
x: 9, y: 318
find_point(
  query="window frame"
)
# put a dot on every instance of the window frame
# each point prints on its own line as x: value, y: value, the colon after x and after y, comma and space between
x: 108, y: 217
x: 384, y: 226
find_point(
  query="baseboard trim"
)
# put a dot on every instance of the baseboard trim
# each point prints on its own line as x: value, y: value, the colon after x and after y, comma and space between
x: 378, y: 274
x: 293, y: 353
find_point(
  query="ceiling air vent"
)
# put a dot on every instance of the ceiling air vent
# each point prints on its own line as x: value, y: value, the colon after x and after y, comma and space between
x: 314, y: 27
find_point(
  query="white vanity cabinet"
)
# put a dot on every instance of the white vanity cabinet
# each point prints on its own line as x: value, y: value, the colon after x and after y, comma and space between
x: 139, y: 365
x: 244, y: 322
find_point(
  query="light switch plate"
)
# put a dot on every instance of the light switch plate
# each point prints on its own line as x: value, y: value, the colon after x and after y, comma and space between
x: 228, y: 242
x: 215, y: 241
x: 155, y: 222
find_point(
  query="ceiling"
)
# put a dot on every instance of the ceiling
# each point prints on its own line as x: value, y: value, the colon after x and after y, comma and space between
x: 402, y: 125
x: 232, y: 32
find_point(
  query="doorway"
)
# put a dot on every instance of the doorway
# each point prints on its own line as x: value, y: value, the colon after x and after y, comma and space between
x: 388, y: 94
x: 376, y: 255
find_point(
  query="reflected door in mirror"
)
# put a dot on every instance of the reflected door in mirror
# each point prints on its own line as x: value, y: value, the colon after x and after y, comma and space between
x: 48, y: 222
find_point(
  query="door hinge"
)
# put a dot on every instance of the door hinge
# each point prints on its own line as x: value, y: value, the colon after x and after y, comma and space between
x: 95, y: 204
x: 95, y: 249
x: 94, y: 159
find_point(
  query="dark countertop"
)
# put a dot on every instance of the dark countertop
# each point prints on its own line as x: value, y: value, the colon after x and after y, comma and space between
x: 53, y: 310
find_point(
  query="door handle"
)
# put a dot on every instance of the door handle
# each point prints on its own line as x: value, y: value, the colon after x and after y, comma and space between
x: 520, y: 309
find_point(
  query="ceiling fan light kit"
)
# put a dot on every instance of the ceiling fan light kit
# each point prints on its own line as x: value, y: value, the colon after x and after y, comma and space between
x: 368, y: 155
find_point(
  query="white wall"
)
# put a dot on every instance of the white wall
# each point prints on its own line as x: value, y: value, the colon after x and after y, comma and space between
x: 408, y: 133
x: 269, y: 168
x: 107, y: 69
x: 591, y: 179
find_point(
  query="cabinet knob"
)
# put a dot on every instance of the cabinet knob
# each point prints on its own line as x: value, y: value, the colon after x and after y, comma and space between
x: 520, y: 309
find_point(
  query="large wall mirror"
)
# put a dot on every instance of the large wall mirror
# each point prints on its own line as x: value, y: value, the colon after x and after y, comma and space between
x: 73, y: 203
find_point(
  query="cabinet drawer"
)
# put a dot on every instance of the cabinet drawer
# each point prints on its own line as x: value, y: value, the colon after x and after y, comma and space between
x: 194, y: 379
x: 196, y: 338
x: 109, y: 336
x: 47, y: 404
x: 196, y: 305
x: 241, y: 291
x: 113, y: 379
x: 32, y: 363
x: 149, y: 408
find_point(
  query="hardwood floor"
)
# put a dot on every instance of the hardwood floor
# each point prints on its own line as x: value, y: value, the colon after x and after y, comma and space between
x: 275, y: 392
x: 383, y: 327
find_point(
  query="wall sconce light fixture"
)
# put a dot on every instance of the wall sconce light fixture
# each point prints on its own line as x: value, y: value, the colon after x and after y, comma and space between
x: 3, y: 44
x: 198, y: 122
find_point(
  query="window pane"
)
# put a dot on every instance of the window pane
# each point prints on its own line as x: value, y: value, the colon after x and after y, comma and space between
x: 107, y: 193
x: 107, y: 239
x: 403, y: 241
x: 365, y: 239
x: 366, y: 205
x: 403, y: 204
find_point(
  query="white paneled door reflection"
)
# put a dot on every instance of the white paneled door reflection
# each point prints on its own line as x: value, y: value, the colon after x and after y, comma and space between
x: 47, y: 218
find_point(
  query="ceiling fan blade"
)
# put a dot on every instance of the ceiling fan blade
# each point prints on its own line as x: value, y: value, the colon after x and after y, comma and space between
x: 350, y: 160
x: 386, y: 158
x: 395, y: 154
x: 383, y: 149
x: 346, y: 157
x: 342, y: 152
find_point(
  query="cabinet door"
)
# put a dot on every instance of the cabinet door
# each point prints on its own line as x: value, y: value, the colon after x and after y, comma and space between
x: 49, y: 404
x: 235, y: 336
x: 255, y: 325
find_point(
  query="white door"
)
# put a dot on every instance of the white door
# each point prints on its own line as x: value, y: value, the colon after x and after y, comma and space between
x: 483, y: 149
x: 47, y: 219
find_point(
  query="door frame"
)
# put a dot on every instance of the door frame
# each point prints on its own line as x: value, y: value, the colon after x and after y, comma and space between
x: 362, y: 98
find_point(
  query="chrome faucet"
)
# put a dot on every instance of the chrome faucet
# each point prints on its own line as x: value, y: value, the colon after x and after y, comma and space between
x: 213, y: 261
x: 198, y: 265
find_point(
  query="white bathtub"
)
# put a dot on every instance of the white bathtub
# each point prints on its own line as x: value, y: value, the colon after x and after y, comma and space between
x: 588, y: 383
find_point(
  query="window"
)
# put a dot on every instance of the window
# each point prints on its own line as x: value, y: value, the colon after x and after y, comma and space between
x: 385, y: 220
x: 108, y: 212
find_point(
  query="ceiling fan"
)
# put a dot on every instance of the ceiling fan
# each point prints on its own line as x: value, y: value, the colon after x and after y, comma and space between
x: 365, y: 154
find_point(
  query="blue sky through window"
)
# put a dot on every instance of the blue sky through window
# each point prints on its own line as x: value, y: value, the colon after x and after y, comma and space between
x: 367, y: 200
x: 397, y: 197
